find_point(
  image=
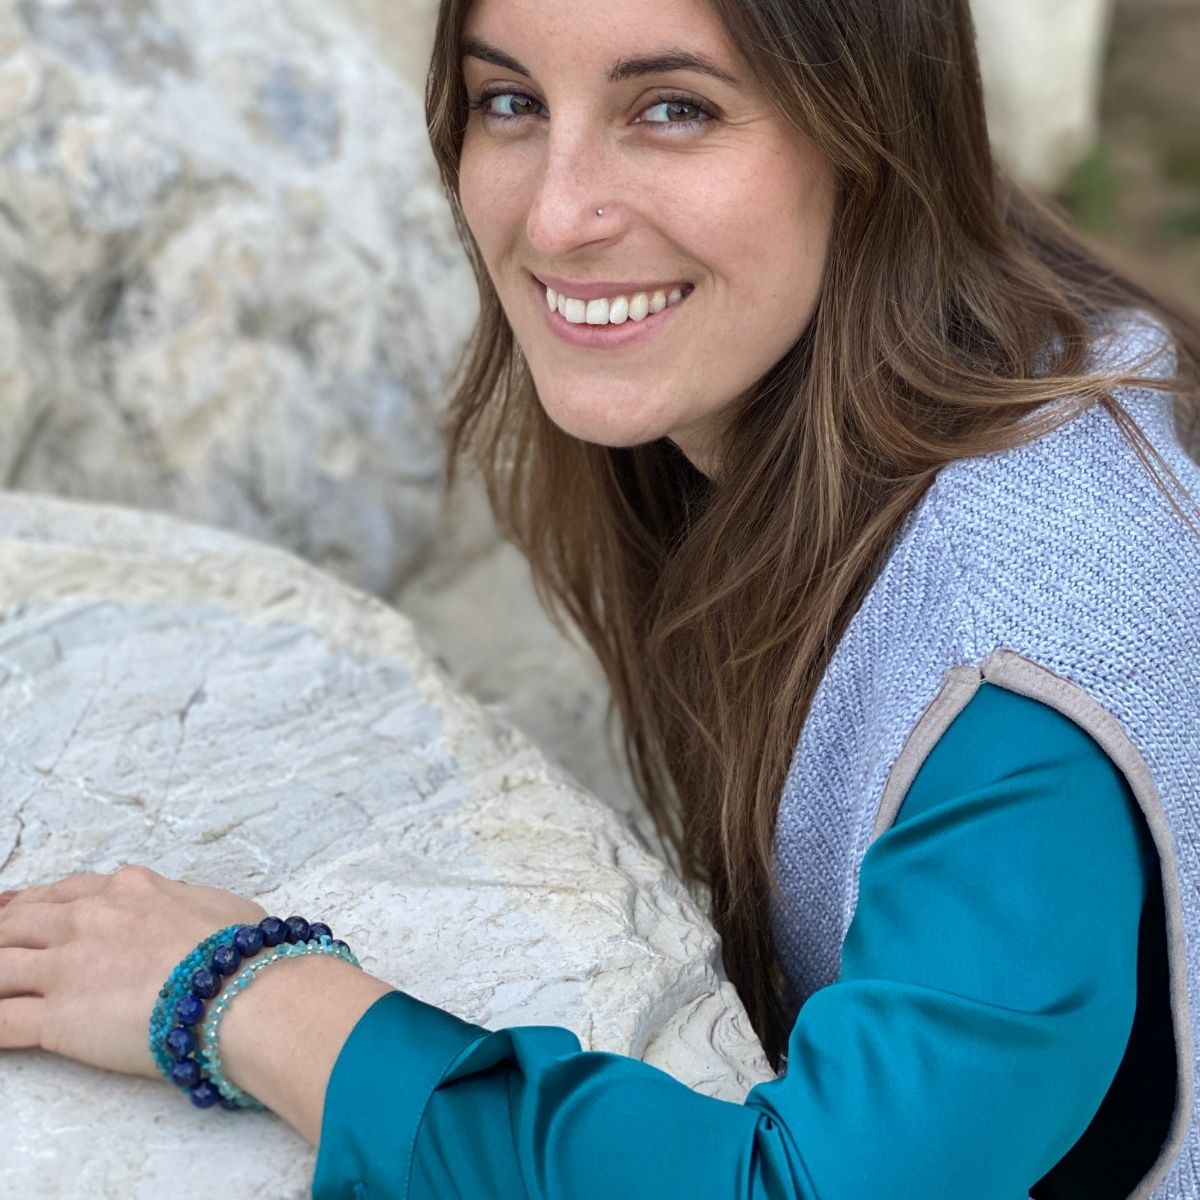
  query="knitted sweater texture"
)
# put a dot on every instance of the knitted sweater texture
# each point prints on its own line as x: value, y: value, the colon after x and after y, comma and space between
x: 1057, y: 569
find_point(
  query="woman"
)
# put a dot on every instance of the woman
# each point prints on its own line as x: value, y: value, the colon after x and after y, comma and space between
x: 858, y: 471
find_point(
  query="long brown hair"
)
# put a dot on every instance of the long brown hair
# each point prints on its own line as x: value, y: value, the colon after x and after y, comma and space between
x: 714, y: 607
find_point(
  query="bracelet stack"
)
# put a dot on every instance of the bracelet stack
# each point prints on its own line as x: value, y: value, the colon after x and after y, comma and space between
x: 180, y: 1013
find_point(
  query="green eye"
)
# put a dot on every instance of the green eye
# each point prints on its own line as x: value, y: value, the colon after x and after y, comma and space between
x: 520, y: 101
x: 520, y: 105
x: 675, y: 105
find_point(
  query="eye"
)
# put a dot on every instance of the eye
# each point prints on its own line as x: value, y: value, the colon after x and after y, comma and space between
x: 521, y: 106
x: 673, y: 104
x: 521, y: 102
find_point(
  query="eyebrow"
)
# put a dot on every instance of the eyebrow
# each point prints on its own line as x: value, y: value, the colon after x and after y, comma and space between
x: 668, y: 59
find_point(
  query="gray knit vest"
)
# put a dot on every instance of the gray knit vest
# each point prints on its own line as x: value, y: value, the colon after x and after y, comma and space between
x: 1059, y: 570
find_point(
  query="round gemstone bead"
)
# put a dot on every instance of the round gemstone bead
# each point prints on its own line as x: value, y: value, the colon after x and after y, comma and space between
x: 222, y: 954
x: 189, y: 1010
x: 177, y: 986
x: 186, y: 1073
x: 248, y: 940
x: 226, y: 959
x: 205, y: 983
x: 273, y: 930
x: 180, y: 1042
x: 297, y: 929
x: 205, y: 1094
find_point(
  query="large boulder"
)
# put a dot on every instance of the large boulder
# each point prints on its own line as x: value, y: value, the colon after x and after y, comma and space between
x: 229, y: 283
x: 218, y: 710
x: 476, y: 605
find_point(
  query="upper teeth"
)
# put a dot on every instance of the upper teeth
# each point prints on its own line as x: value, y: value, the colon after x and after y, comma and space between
x: 612, y: 312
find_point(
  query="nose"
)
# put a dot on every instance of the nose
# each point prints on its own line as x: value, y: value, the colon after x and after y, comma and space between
x: 578, y: 175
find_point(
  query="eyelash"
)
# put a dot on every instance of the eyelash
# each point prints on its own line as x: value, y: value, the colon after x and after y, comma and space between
x: 478, y: 105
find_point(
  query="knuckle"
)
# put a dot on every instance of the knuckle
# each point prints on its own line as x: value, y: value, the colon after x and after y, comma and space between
x: 134, y: 873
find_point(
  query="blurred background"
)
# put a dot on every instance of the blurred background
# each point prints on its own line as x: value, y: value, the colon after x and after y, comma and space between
x: 230, y: 288
x: 1137, y: 186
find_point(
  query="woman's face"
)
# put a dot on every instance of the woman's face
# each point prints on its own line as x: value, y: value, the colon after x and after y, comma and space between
x: 704, y: 189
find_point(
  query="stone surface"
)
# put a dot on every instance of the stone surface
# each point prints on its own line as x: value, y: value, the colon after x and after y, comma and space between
x: 229, y: 284
x: 179, y: 696
x: 475, y: 604
x: 1041, y: 66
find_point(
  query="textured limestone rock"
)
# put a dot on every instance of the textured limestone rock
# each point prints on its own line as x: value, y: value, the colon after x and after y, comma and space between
x: 1041, y: 66
x: 179, y: 696
x: 475, y: 603
x: 229, y: 284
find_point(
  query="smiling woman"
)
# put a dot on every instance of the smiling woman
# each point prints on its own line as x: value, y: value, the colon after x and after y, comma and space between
x: 701, y: 189
x: 883, y: 430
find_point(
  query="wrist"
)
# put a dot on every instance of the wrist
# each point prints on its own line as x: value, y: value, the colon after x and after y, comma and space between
x: 280, y: 1038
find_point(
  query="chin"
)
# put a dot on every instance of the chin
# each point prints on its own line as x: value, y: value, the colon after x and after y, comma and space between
x: 606, y: 424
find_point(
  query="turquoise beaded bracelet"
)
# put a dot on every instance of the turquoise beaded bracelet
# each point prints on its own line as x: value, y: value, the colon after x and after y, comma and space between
x: 182, y: 1001
x: 208, y: 1054
x: 176, y: 987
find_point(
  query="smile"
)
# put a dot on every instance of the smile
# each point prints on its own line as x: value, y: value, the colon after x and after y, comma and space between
x: 591, y: 325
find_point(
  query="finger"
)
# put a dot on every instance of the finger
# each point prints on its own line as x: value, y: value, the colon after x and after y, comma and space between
x: 35, y: 926
x: 21, y: 972
x: 20, y: 1022
x: 72, y: 887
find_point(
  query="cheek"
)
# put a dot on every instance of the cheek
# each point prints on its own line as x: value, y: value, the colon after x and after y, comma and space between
x: 472, y: 193
x: 769, y: 260
x: 493, y: 189
x: 783, y: 243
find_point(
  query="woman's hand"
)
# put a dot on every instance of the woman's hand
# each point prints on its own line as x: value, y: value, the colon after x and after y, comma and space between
x: 82, y: 960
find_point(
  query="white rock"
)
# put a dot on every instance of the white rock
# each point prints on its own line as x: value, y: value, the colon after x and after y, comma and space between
x: 238, y: 278
x: 1041, y: 66
x: 22, y: 397
x: 178, y: 696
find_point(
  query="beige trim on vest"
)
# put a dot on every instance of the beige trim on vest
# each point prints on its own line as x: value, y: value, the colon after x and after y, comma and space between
x: 1006, y: 668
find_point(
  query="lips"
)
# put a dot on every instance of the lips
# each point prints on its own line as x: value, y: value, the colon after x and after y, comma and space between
x: 627, y: 334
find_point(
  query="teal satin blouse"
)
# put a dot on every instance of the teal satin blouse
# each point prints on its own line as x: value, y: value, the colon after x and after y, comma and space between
x: 985, y: 1000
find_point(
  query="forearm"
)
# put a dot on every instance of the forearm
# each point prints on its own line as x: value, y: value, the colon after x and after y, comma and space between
x: 281, y: 1036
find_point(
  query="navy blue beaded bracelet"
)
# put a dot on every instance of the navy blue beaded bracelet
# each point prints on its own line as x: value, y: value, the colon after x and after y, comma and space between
x: 209, y: 1053
x: 197, y: 979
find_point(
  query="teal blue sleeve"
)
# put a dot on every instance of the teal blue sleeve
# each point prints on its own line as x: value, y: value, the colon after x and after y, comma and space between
x: 985, y: 999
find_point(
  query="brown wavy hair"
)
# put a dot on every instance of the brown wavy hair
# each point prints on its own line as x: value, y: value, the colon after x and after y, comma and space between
x: 953, y: 304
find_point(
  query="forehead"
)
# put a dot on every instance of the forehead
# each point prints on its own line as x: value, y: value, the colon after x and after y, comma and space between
x: 542, y: 35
